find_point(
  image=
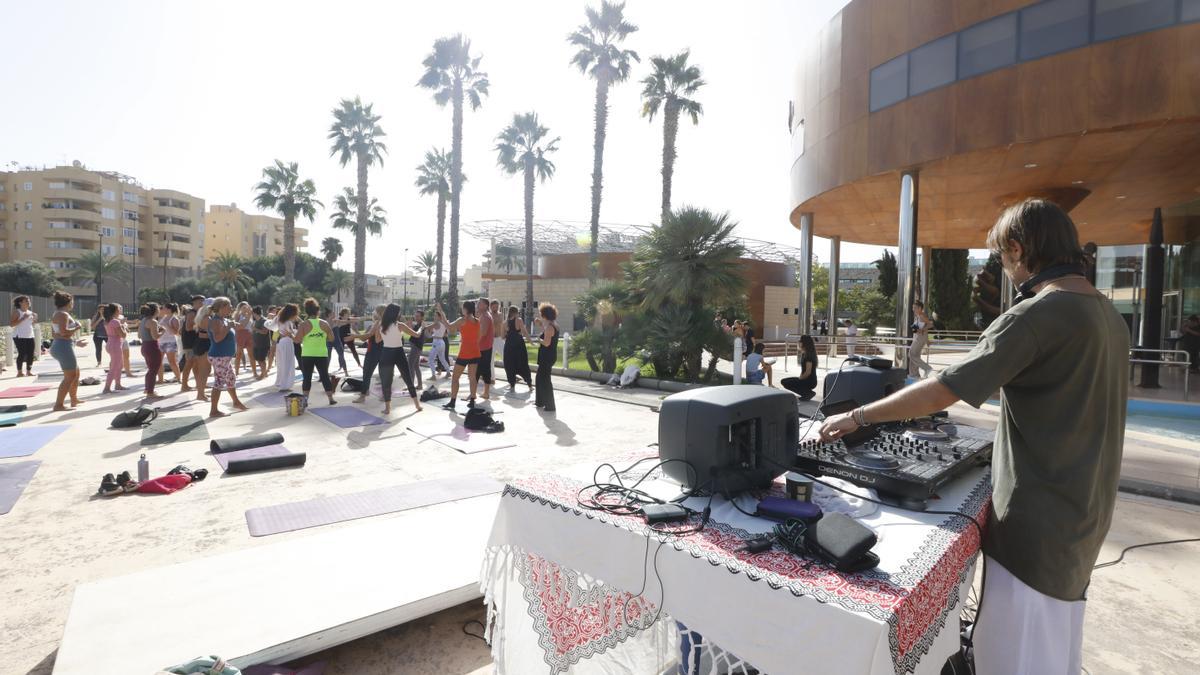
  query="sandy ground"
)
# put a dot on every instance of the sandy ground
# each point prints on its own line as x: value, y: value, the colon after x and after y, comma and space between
x: 1141, y: 616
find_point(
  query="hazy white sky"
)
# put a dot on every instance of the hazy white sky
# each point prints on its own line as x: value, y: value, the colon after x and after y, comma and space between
x: 200, y: 96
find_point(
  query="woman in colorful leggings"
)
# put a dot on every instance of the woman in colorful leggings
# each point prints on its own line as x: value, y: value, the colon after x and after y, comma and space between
x: 148, y: 332
x: 114, y: 327
x: 223, y: 347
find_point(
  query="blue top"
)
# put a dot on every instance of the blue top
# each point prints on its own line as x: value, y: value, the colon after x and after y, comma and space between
x: 225, y: 347
x: 753, y: 363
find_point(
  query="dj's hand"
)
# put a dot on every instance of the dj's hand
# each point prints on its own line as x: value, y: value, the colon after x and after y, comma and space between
x: 837, y: 426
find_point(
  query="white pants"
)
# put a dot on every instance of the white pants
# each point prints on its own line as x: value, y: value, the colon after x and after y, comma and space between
x: 285, y: 363
x: 437, y: 353
x: 1024, y: 631
x: 916, y: 365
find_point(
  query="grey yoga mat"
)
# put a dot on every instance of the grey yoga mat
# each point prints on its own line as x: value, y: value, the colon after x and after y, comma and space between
x: 328, y: 510
x: 259, y: 459
x: 219, y: 445
x: 25, y: 441
x: 13, y: 479
x: 19, y: 408
x: 175, y: 429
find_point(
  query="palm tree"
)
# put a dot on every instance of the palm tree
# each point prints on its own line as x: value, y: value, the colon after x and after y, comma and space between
x: 601, y: 58
x: 671, y: 86
x: 522, y: 148
x: 508, y: 257
x: 426, y: 263
x: 355, y: 133
x: 346, y: 216
x: 226, y: 273
x: 331, y: 249
x: 93, y: 266
x: 453, y: 75
x: 284, y: 192
x: 337, y: 280
x: 433, y: 178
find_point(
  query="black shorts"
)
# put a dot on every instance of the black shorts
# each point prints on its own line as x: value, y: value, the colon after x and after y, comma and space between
x: 466, y: 362
x: 201, y: 347
x: 260, y: 352
x: 484, y: 371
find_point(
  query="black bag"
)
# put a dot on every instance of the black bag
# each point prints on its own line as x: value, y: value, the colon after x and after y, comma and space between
x: 352, y: 384
x: 432, y: 394
x: 138, y: 417
x: 478, y: 419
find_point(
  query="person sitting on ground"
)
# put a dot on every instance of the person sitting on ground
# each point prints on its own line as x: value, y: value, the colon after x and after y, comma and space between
x: 804, y: 386
x: 755, y: 374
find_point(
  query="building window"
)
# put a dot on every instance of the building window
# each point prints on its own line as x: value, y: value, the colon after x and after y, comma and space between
x: 932, y: 65
x: 889, y: 83
x: 1115, y: 18
x: 1053, y: 26
x: 28, y: 187
x: 785, y: 311
x: 28, y: 225
x: 109, y: 195
x: 129, y: 250
x: 128, y: 232
x: 1188, y: 11
x: 130, y: 215
x: 1, y: 243
x: 28, y: 244
x: 108, y: 213
x: 987, y: 46
x: 107, y: 249
x: 108, y: 231
x: 57, y: 185
x: 28, y: 206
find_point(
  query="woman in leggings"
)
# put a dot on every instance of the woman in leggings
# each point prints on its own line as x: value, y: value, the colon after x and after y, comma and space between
x: 437, y: 344
x: 115, y: 329
x: 547, y: 355
x: 99, y: 332
x: 804, y: 386
x: 313, y: 338
x: 148, y: 332
x: 200, y: 363
x: 341, y: 336
x: 22, y: 321
x: 393, y: 330
x: 64, y: 326
x: 374, y: 348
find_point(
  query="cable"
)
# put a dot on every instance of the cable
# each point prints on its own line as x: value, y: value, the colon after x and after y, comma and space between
x: 479, y: 635
x: 1125, y: 550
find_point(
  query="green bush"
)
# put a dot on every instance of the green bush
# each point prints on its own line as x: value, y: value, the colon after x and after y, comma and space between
x: 28, y: 277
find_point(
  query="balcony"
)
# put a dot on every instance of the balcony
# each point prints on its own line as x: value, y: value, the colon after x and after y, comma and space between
x: 61, y: 230
x: 77, y: 193
x: 67, y: 209
x: 63, y: 253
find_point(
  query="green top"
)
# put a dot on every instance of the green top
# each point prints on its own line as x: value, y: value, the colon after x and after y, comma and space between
x: 1061, y: 361
x: 314, y: 343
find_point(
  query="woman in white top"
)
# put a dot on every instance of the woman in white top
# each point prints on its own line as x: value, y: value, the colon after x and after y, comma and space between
x: 168, y: 319
x: 393, y: 331
x: 917, y: 367
x: 437, y: 346
x: 22, y: 321
x: 285, y: 350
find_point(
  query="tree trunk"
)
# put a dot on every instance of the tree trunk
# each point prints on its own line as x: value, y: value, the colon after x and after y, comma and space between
x: 670, y: 129
x: 712, y: 370
x: 455, y: 194
x: 428, y: 283
x: 289, y: 248
x: 360, y: 240
x: 601, y: 115
x: 441, y: 244
x: 529, y: 309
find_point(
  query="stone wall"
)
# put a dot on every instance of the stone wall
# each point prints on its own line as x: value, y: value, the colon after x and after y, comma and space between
x: 559, y: 292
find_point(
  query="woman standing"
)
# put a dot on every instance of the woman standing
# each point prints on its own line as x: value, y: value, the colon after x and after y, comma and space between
x: 130, y: 324
x: 63, y: 326
x: 148, y: 333
x: 222, y: 334
x: 99, y: 332
x: 169, y: 342
x: 437, y: 344
x: 313, y: 338
x: 917, y: 367
x: 374, y: 349
x: 201, y: 366
x: 285, y: 349
x: 468, y: 351
x: 804, y: 386
x: 22, y: 321
x: 393, y: 330
x: 547, y: 355
x: 516, y: 357
x: 341, y: 331
x: 116, y: 331
x: 416, y: 345
x: 243, y: 335
x: 262, y: 344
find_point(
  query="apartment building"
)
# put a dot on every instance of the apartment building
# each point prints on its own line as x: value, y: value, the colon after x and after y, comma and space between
x: 229, y: 229
x: 56, y: 215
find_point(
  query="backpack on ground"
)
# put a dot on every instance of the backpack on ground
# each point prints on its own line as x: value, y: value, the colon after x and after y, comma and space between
x: 478, y: 419
x: 138, y: 417
x: 432, y: 394
x: 352, y: 384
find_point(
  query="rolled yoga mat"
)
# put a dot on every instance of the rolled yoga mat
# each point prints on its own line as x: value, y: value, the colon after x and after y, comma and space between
x: 19, y: 408
x: 219, y: 445
x: 259, y: 459
x: 27, y: 440
x: 14, y: 477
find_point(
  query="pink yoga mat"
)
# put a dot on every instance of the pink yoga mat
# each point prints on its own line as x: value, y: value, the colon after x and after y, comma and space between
x: 22, y: 392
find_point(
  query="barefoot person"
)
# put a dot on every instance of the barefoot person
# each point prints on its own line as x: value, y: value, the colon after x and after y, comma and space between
x: 487, y: 338
x: 243, y: 319
x: 393, y: 330
x: 468, y: 351
x: 547, y: 355
x: 22, y: 320
x: 187, y: 341
x: 261, y: 338
x: 64, y: 326
x: 116, y: 331
x: 516, y: 357
x: 1060, y: 358
x: 437, y: 344
x: 374, y: 349
x: 169, y: 342
x: 222, y: 334
x: 284, y: 325
x: 149, y: 332
x: 99, y: 332
x: 313, y: 338
x: 201, y: 365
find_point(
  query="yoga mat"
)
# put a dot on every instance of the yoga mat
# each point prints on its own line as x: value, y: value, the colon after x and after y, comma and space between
x: 20, y: 407
x: 219, y: 445
x: 22, y: 392
x: 25, y: 441
x: 10, y: 419
x: 13, y: 479
x: 346, y: 416
x: 328, y: 510
x: 259, y: 459
x: 175, y: 429
x: 461, y: 438
x: 270, y: 399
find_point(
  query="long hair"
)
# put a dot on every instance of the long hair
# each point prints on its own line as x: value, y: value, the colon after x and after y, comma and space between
x: 391, y: 314
x: 110, y: 311
x: 289, y: 312
x: 18, y: 300
x: 809, y: 347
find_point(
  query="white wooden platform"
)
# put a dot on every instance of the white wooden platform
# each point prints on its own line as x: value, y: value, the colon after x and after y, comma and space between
x: 276, y: 602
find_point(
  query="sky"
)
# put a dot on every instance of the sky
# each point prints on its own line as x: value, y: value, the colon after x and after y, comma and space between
x: 200, y: 96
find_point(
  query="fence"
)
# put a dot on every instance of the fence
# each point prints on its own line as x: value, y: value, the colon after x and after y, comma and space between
x: 1135, y: 359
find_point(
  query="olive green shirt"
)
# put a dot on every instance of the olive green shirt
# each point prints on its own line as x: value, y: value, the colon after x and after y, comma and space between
x: 1061, y: 363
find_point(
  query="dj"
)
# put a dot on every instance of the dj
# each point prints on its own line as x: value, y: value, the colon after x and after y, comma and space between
x: 1060, y: 360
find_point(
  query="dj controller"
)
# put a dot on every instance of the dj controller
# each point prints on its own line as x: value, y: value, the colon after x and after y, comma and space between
x: 906, y: 466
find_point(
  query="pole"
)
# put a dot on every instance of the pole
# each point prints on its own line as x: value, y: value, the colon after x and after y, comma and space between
x: 835, y: 263
x: 804, y: 275
x: 1152, y: 305
x: 906, y: 260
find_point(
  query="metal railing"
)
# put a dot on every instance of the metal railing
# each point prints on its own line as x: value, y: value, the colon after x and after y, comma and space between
x: 830, y: 343
x: 1135, y: 352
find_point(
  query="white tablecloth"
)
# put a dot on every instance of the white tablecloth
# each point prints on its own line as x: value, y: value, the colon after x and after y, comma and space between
x: 562, y: 585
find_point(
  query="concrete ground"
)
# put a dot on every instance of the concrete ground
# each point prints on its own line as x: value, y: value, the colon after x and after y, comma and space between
x: 1141, y: 616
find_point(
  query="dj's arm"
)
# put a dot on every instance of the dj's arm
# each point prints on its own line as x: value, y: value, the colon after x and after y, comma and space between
x: 921, y: 399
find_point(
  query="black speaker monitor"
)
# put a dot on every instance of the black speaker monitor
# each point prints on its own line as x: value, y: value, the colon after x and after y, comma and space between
x: 862, y: 384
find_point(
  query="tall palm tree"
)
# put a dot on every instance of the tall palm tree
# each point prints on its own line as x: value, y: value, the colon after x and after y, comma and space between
x: 346, y: 216
x: 331, y: 249
x: 337, y: 280
x: 601, y: 57
x: 94, y: 266
x: 433, y: 178
x: 284, y: 192
x: 426, y: 263
x: 226, y: 273
x: 454, y: 75
x: 355, y: 133
x: 672, y: 86
x: 508, y: 257
x: 522, y: 148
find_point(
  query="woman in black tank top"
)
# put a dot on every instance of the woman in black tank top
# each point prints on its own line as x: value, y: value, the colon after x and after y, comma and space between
x: 516, y: 357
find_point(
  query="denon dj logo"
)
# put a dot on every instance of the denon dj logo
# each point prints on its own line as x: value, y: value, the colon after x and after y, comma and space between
x: 846, y: 473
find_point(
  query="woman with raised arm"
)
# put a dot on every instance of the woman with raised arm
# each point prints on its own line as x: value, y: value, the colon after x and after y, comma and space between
x: 313, y: 338
x: 22, y: 320
x: 437, y: 344
x: 468, y: 350
x: 243, y: 320
x: 392, y: 330
x: 222, y: 332
x: 149, y: 331
x: 284, y: 324
x: 169, y: 342
x: 374, y: 350
x: 516, y: 357
x: 115, y: 329
x: 64, y: 326
x: 201, y: 366
x: 547, y: 355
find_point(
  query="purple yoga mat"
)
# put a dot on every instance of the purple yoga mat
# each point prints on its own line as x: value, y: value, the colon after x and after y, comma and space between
x: 346, y: 416
x: 24, y: 441
x: 13, y: 479
x: 22, y: 392
x: 270, y: 399
x: 225, y: 458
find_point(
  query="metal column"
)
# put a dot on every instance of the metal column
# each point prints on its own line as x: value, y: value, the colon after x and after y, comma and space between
x: 906, y: 260
x: 1152, y: 317
x: 835, y: 261
x: 1007, y: 291
x: 926, y: 262
x: 804, y: 275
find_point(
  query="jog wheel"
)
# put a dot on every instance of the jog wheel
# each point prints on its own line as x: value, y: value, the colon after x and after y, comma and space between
x: 870, y: 459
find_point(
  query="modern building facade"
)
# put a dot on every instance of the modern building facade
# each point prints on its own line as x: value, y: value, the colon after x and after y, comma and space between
x: 55, y: 215
x: 229, y: 229
x: 915, y: 122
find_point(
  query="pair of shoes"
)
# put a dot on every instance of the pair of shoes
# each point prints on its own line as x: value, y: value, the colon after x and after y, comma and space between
x: 109, y: 486
x: 449, y: 405
x: 127, y: 483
